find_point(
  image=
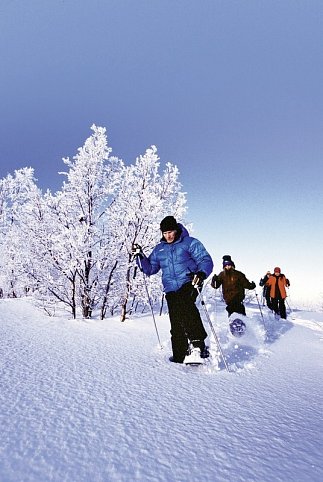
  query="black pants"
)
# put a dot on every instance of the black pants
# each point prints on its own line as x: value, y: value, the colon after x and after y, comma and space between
x: 278, y: 305
x: 185, y: 321
x: 269, y: 303
x: 236, y: 306
x: 266, y: 295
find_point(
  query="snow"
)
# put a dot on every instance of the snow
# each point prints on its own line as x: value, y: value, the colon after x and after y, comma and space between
x: 91, y: 400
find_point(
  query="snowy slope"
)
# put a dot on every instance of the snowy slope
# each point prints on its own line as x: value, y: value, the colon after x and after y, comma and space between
x: 99, y: 401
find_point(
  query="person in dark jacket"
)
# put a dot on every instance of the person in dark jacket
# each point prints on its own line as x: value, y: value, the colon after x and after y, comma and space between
x: 266, y: 289
x: 277, y: 284
x: 234, y: 283
x: 185, y: 264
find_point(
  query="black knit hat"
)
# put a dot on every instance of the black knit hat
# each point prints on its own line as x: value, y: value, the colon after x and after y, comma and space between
x: 168, y: 224
x: 227, y: 261
x: 226, y: 257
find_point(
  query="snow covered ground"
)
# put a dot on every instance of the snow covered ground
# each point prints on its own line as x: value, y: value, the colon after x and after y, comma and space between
x: 94, y: 401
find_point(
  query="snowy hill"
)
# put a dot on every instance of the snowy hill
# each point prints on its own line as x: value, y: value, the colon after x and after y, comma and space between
x: 91, y: 400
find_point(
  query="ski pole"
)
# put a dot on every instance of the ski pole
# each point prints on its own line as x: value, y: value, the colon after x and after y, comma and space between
x: 290, y: 310
x: 161, y: 305
x: 261, y: 312
x: 149, y: 301
x: 212, y: 328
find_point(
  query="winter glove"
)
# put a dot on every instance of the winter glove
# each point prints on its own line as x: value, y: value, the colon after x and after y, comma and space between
x: 287, y: 283
x: 252, y: 285
x: 214, y: 280
x: 198, y: 279
x: 136, y: 250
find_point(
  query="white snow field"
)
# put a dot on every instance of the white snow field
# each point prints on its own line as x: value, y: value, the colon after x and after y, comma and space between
x: 99, y: 401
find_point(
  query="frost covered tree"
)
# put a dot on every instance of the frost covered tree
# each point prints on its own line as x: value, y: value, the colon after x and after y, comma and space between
x: 144, y: 198
x: 74, y: 246
x: 18, y: 195
x: 78, y: 214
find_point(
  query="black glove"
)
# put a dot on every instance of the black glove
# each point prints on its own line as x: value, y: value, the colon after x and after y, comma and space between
x: 214, y: 280
x: 198, y: 279
x: 252, y: 285
x: 136, y: 250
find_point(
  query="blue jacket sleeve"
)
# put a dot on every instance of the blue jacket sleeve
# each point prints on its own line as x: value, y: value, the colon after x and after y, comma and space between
x: 148, y: 265
x: 202, y: 258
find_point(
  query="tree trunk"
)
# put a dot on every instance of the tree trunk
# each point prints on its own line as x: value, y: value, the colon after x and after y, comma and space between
x: 104, y: 306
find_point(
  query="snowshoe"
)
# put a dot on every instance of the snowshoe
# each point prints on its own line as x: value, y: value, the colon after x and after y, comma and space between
x: 194, y: 357
x: 237, y: 327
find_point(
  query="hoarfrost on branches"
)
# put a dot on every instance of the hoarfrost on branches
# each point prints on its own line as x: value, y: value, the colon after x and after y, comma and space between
x: 74, y: 246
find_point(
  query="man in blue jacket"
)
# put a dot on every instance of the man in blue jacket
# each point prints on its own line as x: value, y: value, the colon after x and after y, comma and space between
x: 185, y: 263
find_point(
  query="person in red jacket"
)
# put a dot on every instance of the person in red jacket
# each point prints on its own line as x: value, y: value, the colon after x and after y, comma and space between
x: 277, y: 284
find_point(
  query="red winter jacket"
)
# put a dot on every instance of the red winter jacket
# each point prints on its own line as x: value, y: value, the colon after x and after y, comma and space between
x: 282, y: 283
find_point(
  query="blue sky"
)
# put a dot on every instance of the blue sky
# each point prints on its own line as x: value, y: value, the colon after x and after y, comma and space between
x: 229, y: 91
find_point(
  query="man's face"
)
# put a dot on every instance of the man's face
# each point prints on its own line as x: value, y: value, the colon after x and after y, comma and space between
x: 170, y: 236
x: 227, y: 267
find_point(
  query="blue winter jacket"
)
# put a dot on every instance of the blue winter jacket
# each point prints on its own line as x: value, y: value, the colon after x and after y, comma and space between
x: 178, y: 260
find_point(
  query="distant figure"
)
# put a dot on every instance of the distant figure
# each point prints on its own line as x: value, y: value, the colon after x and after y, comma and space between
x: 277, y: 284
x: 266, y: 289
x: 234, y: 283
